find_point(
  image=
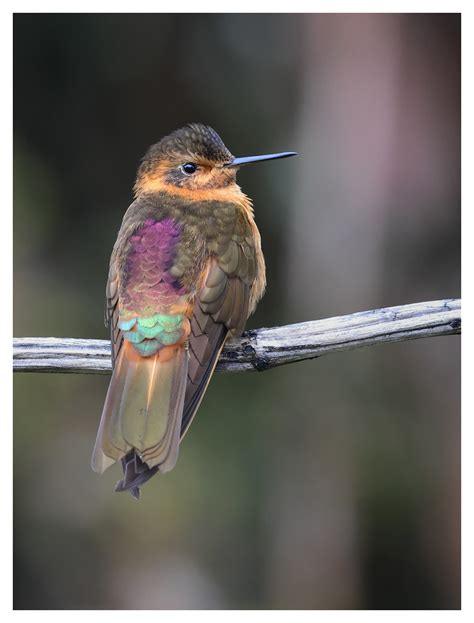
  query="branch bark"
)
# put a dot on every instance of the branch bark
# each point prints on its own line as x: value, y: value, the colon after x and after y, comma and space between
x: 261, y: 349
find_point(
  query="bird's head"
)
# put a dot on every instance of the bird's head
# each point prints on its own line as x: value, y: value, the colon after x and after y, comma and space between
x: 191, y: 159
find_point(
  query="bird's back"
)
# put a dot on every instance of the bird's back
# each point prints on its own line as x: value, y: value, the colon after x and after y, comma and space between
x: 183, y: 274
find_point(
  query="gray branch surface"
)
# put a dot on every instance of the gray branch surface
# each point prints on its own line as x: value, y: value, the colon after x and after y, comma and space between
x: 261, y: 349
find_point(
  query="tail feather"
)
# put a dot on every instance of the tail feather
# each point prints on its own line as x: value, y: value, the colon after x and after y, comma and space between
x: 110, y: 445
x: 141, y: 420
x: 135, y: 474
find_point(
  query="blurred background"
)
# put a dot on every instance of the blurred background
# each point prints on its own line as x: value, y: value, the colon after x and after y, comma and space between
x: 333, y: 483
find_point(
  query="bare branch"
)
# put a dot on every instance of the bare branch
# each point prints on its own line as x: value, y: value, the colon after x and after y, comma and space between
x: 261, y: 349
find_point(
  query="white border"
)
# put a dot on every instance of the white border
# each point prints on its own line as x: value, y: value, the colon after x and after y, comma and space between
x: 184, y: 6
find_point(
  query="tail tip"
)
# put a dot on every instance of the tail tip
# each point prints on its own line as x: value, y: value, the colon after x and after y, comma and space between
x: 120, y: 487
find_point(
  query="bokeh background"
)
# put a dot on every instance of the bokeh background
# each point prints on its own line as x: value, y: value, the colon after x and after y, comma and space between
x: 333, y: 483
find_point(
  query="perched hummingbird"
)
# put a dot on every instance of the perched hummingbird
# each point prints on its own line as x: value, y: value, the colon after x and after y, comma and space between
x: 186, y: 271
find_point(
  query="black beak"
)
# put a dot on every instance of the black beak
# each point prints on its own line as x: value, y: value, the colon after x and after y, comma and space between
x: 238, y: 162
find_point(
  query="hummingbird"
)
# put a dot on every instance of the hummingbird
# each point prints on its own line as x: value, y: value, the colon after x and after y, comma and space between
x: 186, y: 271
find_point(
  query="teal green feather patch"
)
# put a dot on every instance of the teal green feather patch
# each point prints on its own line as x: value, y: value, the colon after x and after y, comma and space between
x: 148, y: 347
x: 134, y: 337
x: 170, y: 338
x: 151, y: 332
x: 150, y: 321
x: 170, y: 322
x: 126, y: 325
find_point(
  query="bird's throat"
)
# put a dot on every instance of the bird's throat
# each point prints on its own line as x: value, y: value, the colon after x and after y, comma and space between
x: 151, y: 185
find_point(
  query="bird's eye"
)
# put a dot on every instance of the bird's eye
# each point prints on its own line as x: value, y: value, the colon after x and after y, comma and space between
x: 188, y: 168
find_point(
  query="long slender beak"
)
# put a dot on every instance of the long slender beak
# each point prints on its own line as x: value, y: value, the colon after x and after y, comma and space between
x: 238, y: 162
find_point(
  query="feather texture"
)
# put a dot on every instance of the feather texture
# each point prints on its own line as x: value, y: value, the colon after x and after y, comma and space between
x: 183, y: 276
x: 143, y: 410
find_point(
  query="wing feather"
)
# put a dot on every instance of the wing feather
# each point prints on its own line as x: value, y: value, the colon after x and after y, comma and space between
x: 221, y: 307
x: 111, y: 315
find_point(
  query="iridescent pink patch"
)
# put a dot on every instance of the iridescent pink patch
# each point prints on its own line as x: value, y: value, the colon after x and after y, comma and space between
x: 149, y: 287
